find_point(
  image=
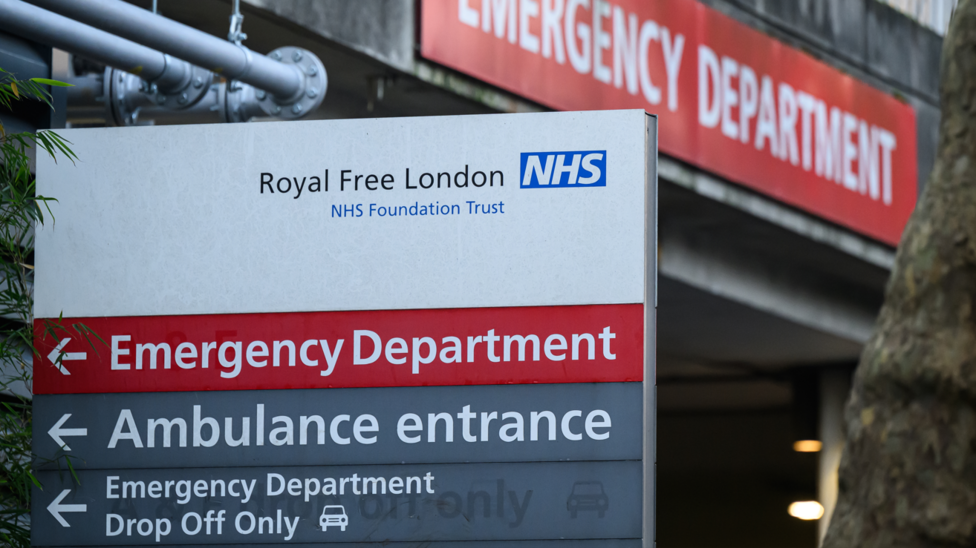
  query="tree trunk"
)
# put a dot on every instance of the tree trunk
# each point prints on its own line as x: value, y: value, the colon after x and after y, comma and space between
x: 908, y: 474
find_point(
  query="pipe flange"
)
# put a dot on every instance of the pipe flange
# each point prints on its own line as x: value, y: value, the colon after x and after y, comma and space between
x: 197, y: 86
x: 126, y: 94
x: 240, y: 103
x: 312, y: 92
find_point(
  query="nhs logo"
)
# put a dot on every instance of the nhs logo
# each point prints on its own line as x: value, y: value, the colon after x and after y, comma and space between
x: 572, y: 169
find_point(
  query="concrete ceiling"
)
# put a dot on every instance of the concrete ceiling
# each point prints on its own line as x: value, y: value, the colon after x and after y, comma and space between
x: 695, y: 326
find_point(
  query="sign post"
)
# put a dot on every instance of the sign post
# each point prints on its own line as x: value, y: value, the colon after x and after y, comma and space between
x: 399, y: 331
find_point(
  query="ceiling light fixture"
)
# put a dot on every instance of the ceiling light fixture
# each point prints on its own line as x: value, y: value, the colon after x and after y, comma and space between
x: 806, y: 510
x: 807, y: 446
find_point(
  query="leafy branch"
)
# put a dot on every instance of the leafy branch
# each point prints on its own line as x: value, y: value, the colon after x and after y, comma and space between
x: 21, y: 209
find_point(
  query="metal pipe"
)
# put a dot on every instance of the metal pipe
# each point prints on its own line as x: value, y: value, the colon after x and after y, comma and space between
x: 92, y: 100
x: 40, y: 25
x: 286, y: 82
x: 206, y: 111
x: 86, y: 99
x: 86, y: 91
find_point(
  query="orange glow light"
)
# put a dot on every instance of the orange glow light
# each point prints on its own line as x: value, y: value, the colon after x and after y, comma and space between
x: 806, y: 510
x: 807, y: 446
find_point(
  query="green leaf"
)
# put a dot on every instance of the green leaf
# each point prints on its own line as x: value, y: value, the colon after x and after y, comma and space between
x: 72, y: 469
x: 21, y: 210
x: 49, y: 82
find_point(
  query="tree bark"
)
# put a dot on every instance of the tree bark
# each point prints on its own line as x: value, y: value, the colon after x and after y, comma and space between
x: 908, y: 474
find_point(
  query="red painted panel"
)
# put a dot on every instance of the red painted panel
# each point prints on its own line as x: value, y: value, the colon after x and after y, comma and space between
x: 685, y: 62
x: 241, y: 353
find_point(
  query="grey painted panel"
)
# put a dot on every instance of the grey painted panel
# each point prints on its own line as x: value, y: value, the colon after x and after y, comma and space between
x: 520, y: 501
x: 865, y: 38
x: 903, y: 50
x: 382, y: 29
x: 835, y: 25
x: 101, y: 414
x: 25, y: 59
x: 927, y: 118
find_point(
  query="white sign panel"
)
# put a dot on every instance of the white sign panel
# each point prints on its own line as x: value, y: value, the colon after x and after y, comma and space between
x: 315, y: 216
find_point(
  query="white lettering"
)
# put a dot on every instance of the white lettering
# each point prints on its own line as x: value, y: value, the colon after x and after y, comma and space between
x: 198, y: 424
x: 649, y: 32
x: 184, y: 351
x: 153, y: 349
x: 116, y: 352
x: 418, y: 358
x: 331, y: 357
x: 467, y: 14
x: 334, y: 429
x: 579, y: 57
x: 827, y: 143
x: 730, y: 98
x: 357, y: 358
x: 567, y: 433
x: 708, y: 79
x: 672, y: 64
x: 625, y: 50
x: 234, y: 362
x: 807, y: 104
x: 303, y: 353
x: 592, y: 424
x: 552, y: 33
x: 601, y: 41
x: 409, y: 423
x: 787, y: 125
x: 125, y: 419
x: 499, y: 12
x: 888, y: 143
x: 850, y: 151
x: 766, y: 123
x: 528, y: 9
x: 868, y: 160
x: 257, y: 349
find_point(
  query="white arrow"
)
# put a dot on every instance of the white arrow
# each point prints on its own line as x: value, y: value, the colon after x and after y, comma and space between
x: 56, y: 508
x: 56, y: 432
x: 68, y: 356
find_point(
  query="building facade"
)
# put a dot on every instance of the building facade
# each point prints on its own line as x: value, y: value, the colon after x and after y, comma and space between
x: 794, y: 139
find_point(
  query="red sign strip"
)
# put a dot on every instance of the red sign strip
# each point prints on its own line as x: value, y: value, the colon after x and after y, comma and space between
x: 472, y: 346
x: 729, y: 99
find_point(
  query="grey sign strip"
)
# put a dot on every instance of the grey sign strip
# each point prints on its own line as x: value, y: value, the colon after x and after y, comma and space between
x: 601, y: 543
x: 395, y: 503
x: 451, y: 424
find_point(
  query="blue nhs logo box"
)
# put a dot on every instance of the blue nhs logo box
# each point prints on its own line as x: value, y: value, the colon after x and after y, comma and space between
x: 570, y: 169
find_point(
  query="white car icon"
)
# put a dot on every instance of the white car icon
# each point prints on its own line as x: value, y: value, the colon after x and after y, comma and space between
x: 333, y: 515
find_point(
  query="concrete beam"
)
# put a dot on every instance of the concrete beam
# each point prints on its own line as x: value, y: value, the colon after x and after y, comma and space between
x: 776, y: 213
x: 764, y: 287
x: 381, y: 29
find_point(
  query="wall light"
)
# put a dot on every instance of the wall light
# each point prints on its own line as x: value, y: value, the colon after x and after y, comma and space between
x: 806, y: 510
x: 807, y: 446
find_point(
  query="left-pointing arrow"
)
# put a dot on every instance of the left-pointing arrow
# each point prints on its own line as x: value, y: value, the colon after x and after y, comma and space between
x: 56, y: 508
x: 68, y: 356
x: 56, y: 432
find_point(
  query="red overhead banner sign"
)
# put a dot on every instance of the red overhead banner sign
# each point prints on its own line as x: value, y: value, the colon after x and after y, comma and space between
x: 729, y: 99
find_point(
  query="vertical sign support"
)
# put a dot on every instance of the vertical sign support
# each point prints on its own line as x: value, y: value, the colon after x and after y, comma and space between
x: 650, y: 338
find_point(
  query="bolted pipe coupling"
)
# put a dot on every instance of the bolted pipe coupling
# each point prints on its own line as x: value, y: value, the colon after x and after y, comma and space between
x: 309, y: 95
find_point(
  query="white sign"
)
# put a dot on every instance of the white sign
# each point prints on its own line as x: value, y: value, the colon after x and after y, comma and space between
x: 206, y: 219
